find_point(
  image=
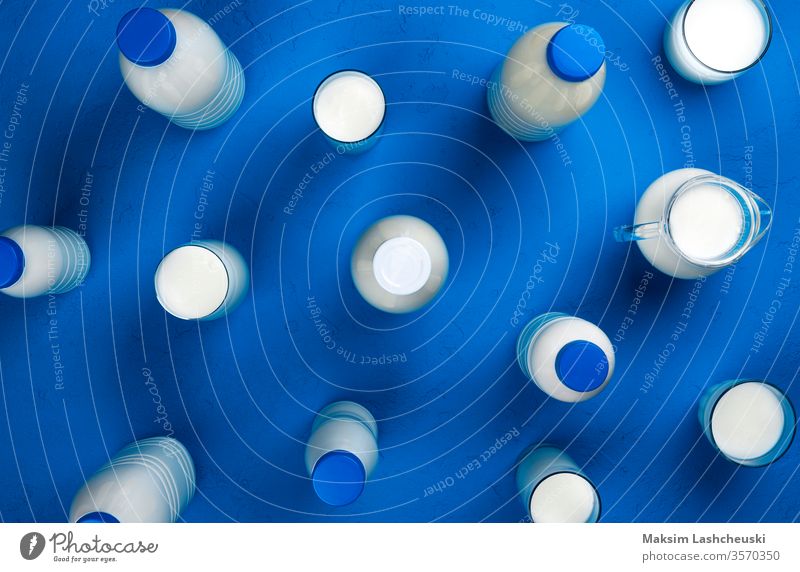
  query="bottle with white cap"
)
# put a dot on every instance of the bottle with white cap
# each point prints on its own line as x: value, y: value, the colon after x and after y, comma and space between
x: 692, y: 223
x: 37, y: 260
x: 713, y: 41
x: 400, y: 264
x: 568, y: 358
x: 202, y: 280
x: 342, y: 451
x: 552, y: 76
x: 749, y: 422
x: 175, y: 64
x: 151, y: 480
x: 349, y: 108
x: 554, y: 489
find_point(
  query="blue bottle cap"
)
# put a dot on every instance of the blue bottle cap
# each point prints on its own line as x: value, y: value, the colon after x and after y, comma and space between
x: 576, y: 52
x: 97, y: 517
x: 582, y: 366
x: 12, y: 262
x: 338, y: 478
x: 146, y: 37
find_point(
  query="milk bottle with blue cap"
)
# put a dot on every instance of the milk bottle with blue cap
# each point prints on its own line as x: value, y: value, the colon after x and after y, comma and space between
x: 342, y: 452
x: 151, y: 480
x: 202, y: 280
x: 568, y: 358
x: 175, y: 64
x: 552, y: 76
x: 37, y: 260
x: 400, y: 264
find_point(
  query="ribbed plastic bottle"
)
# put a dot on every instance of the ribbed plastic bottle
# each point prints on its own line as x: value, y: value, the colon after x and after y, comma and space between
x: 568, y: 358
x: 552, y: 76
x: 175, y: 64
x: 37, y: 260
x: 341, y: 452
x: 151, y: 480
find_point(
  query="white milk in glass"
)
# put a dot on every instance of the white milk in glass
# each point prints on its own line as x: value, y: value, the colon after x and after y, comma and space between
x: 554, y: 489
x: 400, y: 264
x: 691, y: 223
x: 349, y: 108
x: 38, y: 260
x: 750, y: 422
x: 713, y: 41
x: 174, y: 63
x: 551, y: 77
x: 203, y: 280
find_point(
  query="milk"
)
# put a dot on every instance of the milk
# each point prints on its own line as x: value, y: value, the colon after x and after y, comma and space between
x: 38, y: 260
x: 349, y: 107
x: 691, y: 223
x: 551, y: 77
x: 568, y: 358
x: 400, y: 264
x: 175, y: 63
x: 554, y: 489
x: 750, y: 422
x: 342, y: 452
x: 203, y: 280
x: 713, y: 41
x: 152, y: 480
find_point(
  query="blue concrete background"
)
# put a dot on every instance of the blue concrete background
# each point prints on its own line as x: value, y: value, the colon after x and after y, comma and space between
x: 85, y: 373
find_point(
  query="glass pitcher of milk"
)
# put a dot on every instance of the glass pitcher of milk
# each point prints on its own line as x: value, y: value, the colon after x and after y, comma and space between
x: 751, y: 423
x: 714, y: 41
x: 553, y: 488
x: 691, y: 223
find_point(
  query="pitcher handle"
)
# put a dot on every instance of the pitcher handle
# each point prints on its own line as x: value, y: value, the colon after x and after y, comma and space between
x: 635, y: 232
x: 765, y: 218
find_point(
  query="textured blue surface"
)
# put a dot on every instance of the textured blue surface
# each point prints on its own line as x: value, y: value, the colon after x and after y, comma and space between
x: 529, y: 229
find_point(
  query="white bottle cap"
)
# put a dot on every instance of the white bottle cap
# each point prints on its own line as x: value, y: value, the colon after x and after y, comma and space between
x: 191, y: 282
x: 402, y: 266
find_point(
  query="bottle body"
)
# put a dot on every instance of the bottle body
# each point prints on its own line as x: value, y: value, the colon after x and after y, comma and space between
x: 151, y: 480
x: 201, y: 83
x: 202, y: 280
x: 554, y: 489
x: 341, y: 452
x: 54, y: 260
x: 531, y: 102
x: 749, y: 422
x: 568, y: 358
x: 400, y: 264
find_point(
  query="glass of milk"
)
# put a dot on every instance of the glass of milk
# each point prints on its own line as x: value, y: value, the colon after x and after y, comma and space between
x: 349, y: 108
x: 553, y: 488
x: 341, y: 452
x: 749, y: 422
x: 714, y: 41
x: 202, y: 280
x: 567, y: 357
x: 400, y: 264
x: 691, y: 223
